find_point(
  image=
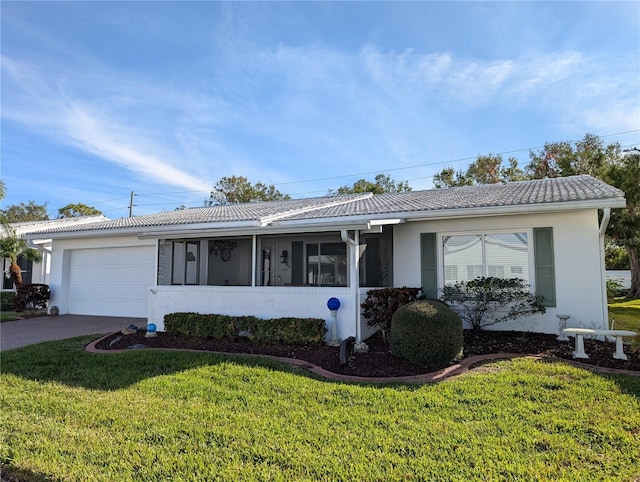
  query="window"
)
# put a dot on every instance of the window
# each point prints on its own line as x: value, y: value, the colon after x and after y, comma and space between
x: 26, y: 267
x: 500, y: 255
x: 185, y: 256
x: 376, y: 263
x: 327, y: 264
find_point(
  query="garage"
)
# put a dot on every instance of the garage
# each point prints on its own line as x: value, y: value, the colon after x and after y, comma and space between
x: 110, y: 281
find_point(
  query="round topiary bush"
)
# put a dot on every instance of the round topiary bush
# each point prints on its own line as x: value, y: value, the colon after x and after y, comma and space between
x: 428, y: 333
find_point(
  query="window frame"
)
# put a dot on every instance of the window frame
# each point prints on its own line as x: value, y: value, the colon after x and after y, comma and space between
x: 530, y: 252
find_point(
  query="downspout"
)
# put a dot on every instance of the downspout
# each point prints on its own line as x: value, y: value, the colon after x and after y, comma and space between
x: 606, y: 217
x: 42, y: 249
x: 353, y: 243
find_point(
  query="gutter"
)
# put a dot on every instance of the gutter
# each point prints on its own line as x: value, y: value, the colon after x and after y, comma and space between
x: 40, y: 248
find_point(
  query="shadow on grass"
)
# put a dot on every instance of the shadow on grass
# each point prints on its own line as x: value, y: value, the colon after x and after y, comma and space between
x: 17, y: 474
x: 67, y: 362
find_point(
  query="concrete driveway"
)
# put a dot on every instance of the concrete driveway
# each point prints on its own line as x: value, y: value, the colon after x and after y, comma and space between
x: 14, y: 334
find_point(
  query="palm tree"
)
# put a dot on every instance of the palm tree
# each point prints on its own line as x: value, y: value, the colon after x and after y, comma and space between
x: 13, y: 247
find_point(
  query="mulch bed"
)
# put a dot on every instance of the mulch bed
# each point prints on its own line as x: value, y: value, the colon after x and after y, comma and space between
x: 378, y: 361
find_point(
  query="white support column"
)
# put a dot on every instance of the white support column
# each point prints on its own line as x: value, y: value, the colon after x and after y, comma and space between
x: 254, y: 260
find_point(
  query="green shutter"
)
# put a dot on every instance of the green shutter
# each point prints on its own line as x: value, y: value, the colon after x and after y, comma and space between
x: 429, y: 264
x: 297, y: 263
x: 544, y: 269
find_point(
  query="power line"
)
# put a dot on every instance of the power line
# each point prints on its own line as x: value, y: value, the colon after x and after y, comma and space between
x: 345, y: 176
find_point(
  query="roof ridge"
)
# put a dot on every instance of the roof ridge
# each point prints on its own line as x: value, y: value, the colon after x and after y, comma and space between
x: 266, y: 220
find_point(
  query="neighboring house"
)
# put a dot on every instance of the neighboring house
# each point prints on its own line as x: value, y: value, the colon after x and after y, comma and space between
x: 38, y: 272
x: 287, y: 258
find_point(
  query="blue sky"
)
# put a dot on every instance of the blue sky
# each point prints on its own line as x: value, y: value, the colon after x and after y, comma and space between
x: 164, y: 98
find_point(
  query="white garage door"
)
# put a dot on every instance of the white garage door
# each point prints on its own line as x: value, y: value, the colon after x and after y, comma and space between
x: 111, y: 281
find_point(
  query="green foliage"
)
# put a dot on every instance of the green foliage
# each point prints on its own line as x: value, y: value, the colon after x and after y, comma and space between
x: 614, y: 289
x: 380, y: 305
x: 238, y: 189
x: 20, y: 213
x: 427, y: 333
x: 382, y: 184
x: 77, y: 210
x: 615, y: 256
x: 278, y: 331
x: 488, y: 301
x: 12, y: 247
x: 486, y: 169
x: 157, y: 415
x: 31, y: 297
x: 6, y: 300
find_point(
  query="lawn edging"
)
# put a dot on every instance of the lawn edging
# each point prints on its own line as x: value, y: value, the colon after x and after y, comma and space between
x: 439, y: 375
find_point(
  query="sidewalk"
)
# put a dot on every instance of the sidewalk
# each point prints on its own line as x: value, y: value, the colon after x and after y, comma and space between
x: 14, y: 334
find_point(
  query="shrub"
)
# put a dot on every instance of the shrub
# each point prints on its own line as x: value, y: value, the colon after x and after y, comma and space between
x: 278, y: 331
x: 31, y: 297
x: 381, y: 304
x: 428, y: 333
x: 615, y: 289
x: 488, y: 301
x: 6, y: 300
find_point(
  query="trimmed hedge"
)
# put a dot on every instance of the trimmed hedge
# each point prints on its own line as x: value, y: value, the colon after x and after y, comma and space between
x: 6, y: 300
x: 277, y: 331
x: 428, y: 333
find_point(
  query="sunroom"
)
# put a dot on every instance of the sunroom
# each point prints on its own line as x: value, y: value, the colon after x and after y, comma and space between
x: 272, y: 275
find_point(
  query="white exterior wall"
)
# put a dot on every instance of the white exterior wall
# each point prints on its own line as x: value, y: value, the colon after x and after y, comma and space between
x: 577, y: 256
x: 260, y: 301
x: 63, y: 250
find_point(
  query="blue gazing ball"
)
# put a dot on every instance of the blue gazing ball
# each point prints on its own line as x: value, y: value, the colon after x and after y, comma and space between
x: 151, y: 327
x: 333, y: 304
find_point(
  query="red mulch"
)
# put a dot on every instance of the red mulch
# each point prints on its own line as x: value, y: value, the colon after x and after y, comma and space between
x: 379, y: 362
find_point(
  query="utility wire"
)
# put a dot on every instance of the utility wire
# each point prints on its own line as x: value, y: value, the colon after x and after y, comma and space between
x: 345, y: 176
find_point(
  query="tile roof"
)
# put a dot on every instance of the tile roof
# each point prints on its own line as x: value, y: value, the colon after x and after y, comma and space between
x: 543, y: 191
x: 537, y: 192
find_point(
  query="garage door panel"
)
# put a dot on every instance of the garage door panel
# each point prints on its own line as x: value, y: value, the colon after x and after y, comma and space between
x: 111, y: 281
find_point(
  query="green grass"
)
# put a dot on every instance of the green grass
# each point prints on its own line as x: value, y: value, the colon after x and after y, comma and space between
x: 626, y: 313
x: 152, y: 415
x: 19, y: 315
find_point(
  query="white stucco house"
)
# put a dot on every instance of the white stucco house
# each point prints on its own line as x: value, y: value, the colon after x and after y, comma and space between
x: 38, y: 272
x: 287, y: 258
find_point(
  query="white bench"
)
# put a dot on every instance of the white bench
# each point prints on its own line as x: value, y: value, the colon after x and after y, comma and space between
x: 580, y: 332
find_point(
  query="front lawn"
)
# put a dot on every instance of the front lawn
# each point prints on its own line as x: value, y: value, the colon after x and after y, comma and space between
x: 626, y: 313
x: 145, y: 415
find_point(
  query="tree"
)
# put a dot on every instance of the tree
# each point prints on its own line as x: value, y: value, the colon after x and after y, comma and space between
x: 20, y: 213
x: 561, y: 159
x: 607, y: 162
x: 382, y: 184
x: 12, y: 247
x: 486, y: 169
x: 624, y: 225
x: 238, y: 189
x: 3, y: 189
x: 77, y: 210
